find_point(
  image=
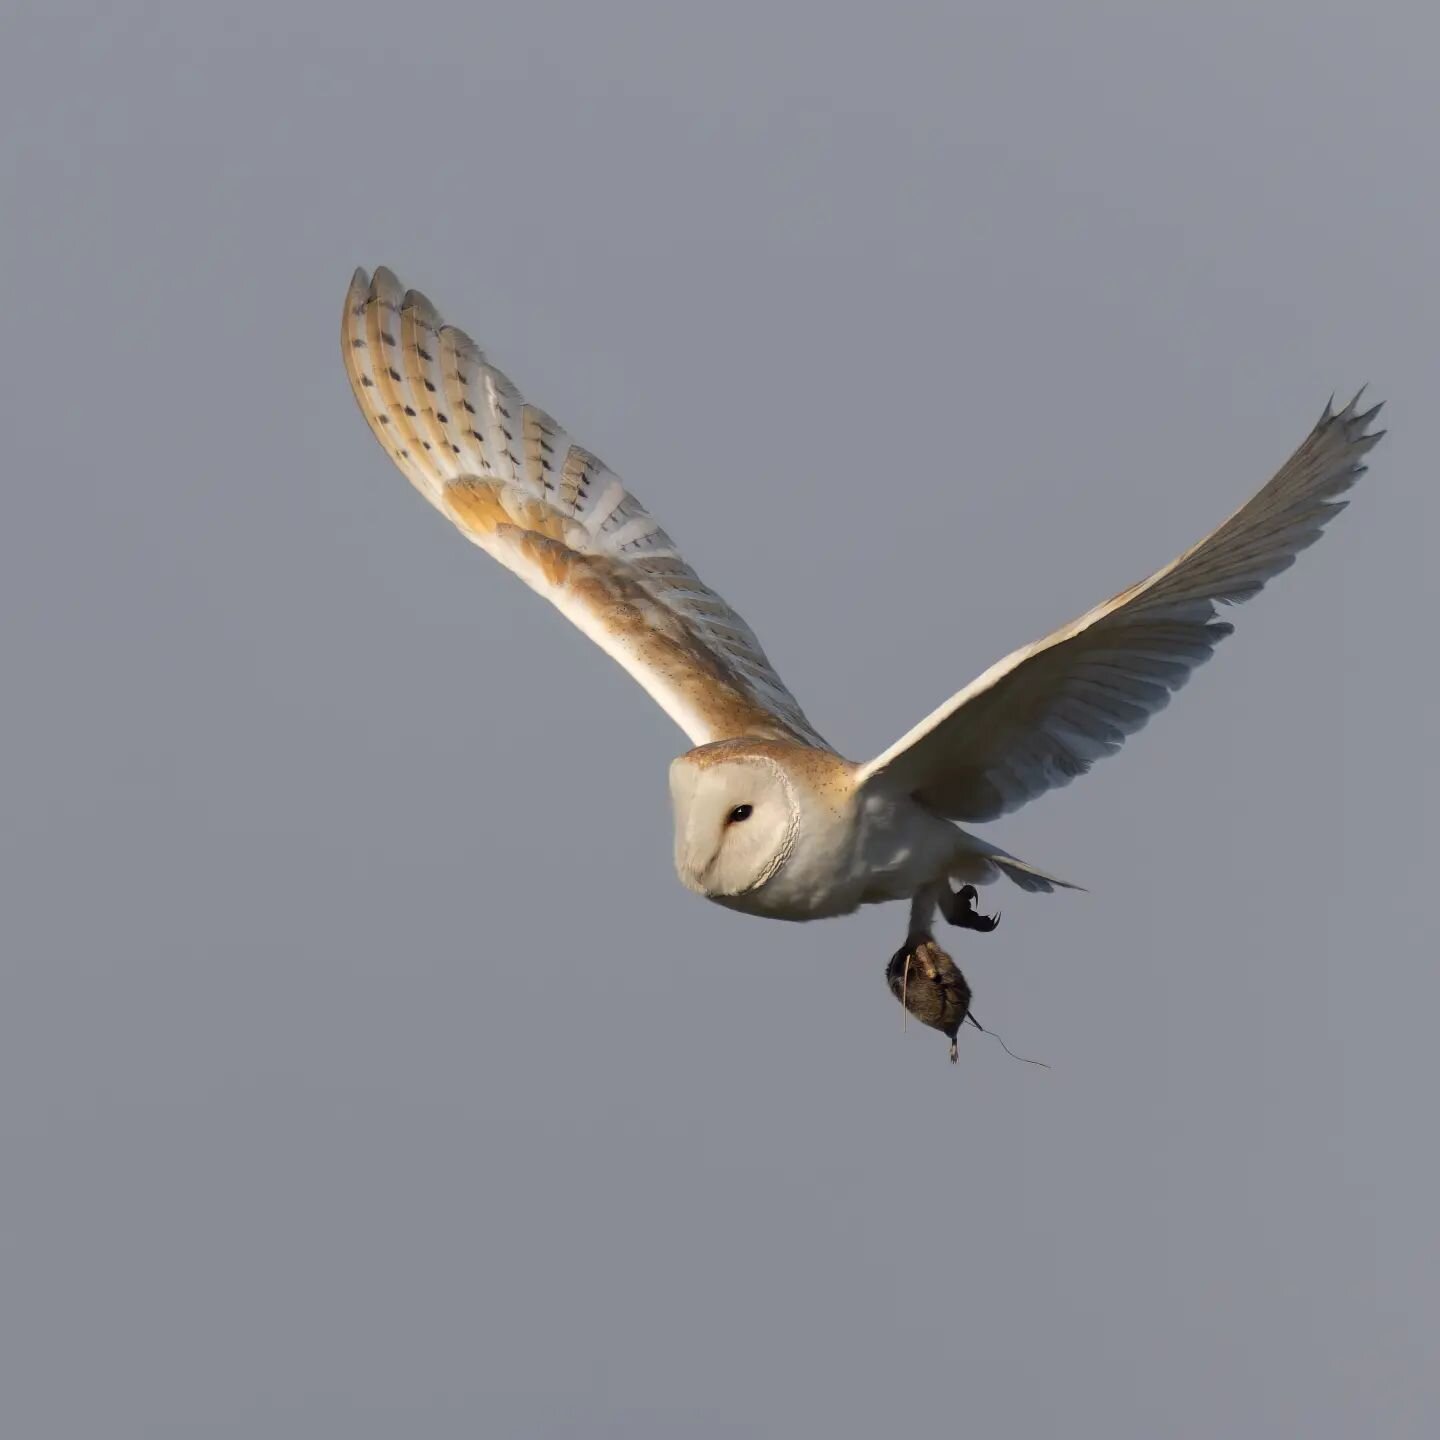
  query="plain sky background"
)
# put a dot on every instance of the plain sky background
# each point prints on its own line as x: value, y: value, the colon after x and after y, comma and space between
x: 364, y: 1070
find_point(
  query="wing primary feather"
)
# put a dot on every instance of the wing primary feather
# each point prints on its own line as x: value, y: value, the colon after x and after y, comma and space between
x: 382, y: 327
x: 420, y: 348
x: 460, y: 361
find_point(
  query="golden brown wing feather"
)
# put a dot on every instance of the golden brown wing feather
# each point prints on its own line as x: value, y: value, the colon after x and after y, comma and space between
x: 509, y: 478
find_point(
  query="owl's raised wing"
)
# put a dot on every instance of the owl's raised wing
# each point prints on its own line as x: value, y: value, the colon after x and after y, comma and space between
x: 1047, y: 712
x: 513, y: 482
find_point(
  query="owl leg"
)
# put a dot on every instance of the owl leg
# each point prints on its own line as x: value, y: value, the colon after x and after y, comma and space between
x: 958, y: 907
x: 922, y: 915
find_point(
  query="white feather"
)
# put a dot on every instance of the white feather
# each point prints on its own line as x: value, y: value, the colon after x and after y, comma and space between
x: 1047, y: 712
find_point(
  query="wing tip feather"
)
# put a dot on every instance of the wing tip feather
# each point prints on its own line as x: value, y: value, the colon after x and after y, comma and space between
x: 418, y: 302
x: 385, y: 281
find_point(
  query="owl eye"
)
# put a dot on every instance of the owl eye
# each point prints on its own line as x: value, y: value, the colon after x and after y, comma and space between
x: 740, y: 812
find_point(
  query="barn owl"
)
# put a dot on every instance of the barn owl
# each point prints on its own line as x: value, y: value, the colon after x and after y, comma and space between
x: 769, y: 819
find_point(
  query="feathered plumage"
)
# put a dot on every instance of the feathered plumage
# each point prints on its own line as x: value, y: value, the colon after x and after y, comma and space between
x: 1047, y: 712
x: 768, y: 818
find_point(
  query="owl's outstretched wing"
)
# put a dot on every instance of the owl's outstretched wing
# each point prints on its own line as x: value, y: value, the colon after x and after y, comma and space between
x: 513, y: 482
x: 1047, y: 712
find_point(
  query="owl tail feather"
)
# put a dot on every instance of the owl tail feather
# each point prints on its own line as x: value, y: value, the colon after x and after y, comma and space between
x: 1027, y: 877
x: 993, y: 861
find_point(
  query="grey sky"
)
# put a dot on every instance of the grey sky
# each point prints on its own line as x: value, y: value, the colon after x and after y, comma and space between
x: 363, y: 1068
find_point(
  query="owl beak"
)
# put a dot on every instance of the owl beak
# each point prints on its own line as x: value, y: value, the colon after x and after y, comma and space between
x: 692, y: 877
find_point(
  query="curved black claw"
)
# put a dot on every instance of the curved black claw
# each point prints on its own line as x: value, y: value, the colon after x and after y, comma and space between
x: 962, y: 911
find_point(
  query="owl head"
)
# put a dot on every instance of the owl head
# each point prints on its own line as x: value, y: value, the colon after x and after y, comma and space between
x: 736, y: 820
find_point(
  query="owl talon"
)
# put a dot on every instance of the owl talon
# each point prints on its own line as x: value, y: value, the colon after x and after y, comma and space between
x: 961, y: 911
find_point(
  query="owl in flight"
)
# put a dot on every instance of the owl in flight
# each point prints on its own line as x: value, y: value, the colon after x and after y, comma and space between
x: 769, y: 819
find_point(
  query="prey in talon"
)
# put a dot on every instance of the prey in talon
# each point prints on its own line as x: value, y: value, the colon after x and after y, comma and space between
x: 928, y: 983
